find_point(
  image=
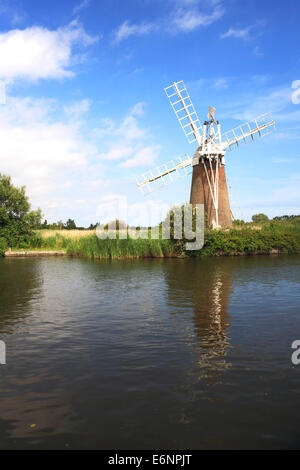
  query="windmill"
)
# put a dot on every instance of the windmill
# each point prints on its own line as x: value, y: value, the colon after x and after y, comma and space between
x: 209, y: 186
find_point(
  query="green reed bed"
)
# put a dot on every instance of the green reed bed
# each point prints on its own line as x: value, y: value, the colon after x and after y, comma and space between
x: 93, y: 247
x: 272, y: 237
x: 36, y: 242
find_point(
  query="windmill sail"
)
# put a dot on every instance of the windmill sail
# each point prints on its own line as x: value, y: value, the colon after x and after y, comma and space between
x: 208, y: 163
x: 185, y: 112
x: 164, y: 175
x: 258, y: 127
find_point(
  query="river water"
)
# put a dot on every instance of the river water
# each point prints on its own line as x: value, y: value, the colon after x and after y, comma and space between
x: 150, y: 354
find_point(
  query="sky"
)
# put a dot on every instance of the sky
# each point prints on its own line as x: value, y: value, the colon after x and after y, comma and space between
x: 83, y: 109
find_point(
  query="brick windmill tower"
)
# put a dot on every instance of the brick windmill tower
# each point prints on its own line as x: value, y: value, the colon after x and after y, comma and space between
x: 209, y: 186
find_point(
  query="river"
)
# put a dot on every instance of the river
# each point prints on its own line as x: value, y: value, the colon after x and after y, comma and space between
x: 150, y: 354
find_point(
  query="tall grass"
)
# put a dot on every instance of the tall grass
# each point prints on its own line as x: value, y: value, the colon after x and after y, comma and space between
x: 93, y: 247
x: 279, y: 236
x: 65, y: 233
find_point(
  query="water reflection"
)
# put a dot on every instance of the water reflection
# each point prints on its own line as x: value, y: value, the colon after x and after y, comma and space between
x: 19, y: 285
x: 106, y: 355
x: 206, y: 290
x: 33, y: 398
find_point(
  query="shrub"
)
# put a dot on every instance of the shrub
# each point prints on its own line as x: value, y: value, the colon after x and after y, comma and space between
x: 17, y: 221
x: 3, y: 246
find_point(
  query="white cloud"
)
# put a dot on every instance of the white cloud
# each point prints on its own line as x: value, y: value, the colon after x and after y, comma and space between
x: 138, y: 109
x: 38, y: 53
x: 40, y: 151
x: 26, y: 110
x: 126, y: 30
x: 187, y: 2
x: 185, y: 16
x: 254, y: 103
x: 81, y: 6
x: 128, y: 141
x: 65, y: 170
x: 220, y: 83
x: 130, y: 130
x: 117, y: 152
x: 144, y: 157
x: 237, y: 33
x: 191, y: 18
x: 77, y: 109
x: 106, y: 127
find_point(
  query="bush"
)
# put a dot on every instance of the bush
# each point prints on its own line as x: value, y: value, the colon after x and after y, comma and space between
x: 17, y: 221
x: 3, y: 246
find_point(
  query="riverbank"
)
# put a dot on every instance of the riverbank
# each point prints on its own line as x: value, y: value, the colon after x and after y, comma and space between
x: 271, y: 239
x: 26, y: 253
x: 45, y: 253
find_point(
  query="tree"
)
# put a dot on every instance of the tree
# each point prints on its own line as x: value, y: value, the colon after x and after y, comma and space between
x: 17, y: 221
x: 286, y: 217
x: 238, y: 222
x: 70, y: 224
x: 260, y: 218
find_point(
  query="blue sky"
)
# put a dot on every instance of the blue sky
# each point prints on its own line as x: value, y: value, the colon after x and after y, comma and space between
x: 86, y: 112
